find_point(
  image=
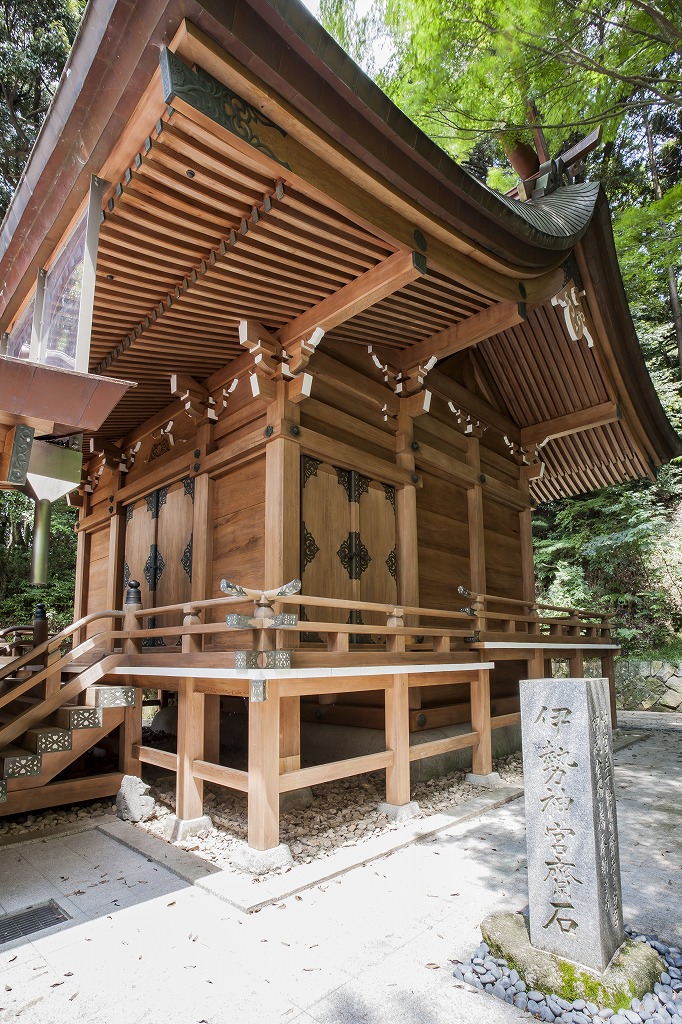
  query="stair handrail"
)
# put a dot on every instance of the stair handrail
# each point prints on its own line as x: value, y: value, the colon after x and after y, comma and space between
x: 90, y: 675
x: 52, y: 643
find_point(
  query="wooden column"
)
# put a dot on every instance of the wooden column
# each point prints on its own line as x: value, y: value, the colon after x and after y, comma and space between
x: 263, y: 770
x: 407, y: 548
x: 576, y: 663
x: 398, y: 740
x: 80, y: 600
x: 202, y: 589
x: 481, y: 755
x: 609, y: 672
x: 406, y: 517
x: 131, y: 729
x: 115, y: 593
x: 282, y: 547
x: 189, y: 793
x: 475, y: 518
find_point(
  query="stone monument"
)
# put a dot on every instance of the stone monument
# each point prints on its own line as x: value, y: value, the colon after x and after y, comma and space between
x: 575, y: 905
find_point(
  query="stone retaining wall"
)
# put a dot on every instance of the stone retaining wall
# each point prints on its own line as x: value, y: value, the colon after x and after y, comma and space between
x: 648, y: 685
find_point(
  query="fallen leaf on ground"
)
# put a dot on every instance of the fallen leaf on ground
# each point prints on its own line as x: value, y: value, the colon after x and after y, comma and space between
x: 432, y: 967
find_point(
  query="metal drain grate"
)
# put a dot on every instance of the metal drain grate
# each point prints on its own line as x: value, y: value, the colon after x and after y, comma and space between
x: 33, y: 919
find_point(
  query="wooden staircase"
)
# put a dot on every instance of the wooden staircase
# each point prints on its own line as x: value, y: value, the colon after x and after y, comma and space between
x: 53, y: 709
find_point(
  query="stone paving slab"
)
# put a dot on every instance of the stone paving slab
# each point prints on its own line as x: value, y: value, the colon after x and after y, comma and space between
x: 372, y: 945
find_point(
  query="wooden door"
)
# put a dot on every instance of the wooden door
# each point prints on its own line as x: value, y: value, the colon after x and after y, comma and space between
x: 348, y: 538
x: 158, y: 547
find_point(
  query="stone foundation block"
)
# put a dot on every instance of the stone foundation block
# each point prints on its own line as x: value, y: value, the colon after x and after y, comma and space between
x: 491, y: 781
x: 400, y: 812
x: 259, y: 862
x: 177, y: 829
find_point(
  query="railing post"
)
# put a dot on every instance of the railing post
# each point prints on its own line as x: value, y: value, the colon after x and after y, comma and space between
x: 40, y: 625
x: 131, y: 729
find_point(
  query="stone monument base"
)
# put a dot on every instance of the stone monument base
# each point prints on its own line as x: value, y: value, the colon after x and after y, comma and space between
x: 633, y: 971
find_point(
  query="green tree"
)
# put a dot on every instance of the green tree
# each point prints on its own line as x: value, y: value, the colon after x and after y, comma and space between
x: 17, y: 597
x: 35, y: 39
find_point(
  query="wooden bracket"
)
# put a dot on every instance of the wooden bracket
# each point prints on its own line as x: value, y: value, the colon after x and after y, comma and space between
x: 112, y: 455
x: 195, y: 399
x: 266, y: 350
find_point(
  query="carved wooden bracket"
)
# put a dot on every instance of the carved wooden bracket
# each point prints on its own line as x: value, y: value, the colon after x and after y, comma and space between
x: 574, y: 315
x: 195, y: 399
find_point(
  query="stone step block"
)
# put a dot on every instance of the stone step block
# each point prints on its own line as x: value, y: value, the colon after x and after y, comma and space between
x: 105, y: 696
x: 76, y: 716
x: 16, y: 763
x: 47, y: 739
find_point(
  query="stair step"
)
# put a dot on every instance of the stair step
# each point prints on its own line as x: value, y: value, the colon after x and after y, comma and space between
x: 16, y: 763
x: 46, y: 739
x: 75, y: 716
x: 110, y: 696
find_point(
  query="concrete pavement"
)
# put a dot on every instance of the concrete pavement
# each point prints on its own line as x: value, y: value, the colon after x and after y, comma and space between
x: 372, y: 945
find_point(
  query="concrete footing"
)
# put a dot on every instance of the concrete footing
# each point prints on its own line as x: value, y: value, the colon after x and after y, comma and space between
x: 176, y: 829
x: 400, y: 812
x: 258, y: 862
x: 491, y: 781
x: 296, y: 800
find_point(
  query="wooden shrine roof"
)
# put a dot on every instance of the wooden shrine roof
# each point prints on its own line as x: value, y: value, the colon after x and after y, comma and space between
x: 202, y: 229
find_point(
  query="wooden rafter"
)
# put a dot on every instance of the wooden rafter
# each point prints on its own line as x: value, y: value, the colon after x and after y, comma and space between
x: 387, y: 277
x: 572, y: 423
x: 496, y: 318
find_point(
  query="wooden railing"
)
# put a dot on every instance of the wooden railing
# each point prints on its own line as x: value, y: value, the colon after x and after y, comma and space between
x: 508, y: 619
x: 412, y: 647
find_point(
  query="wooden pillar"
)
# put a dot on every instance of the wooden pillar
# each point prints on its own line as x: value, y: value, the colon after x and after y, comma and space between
x: 80, y: 600
x: 282, y: 548
x: 189, y: 792
x: 482, y: 753
x: 475, y: 520
x: 131, y: 729
x: 398, y: 740
x: 536, y: 668
x: 608, y: 670
x: 263, y: 769
x: 407, y: 548
x: 406, y: 516
x: 576, y: 663
x: 115, y: 593
x: 202, y: 589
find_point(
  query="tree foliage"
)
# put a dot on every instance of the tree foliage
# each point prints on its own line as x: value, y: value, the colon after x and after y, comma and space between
x: 468, y: 74
x: 35, y: 39
x: 17, y: 597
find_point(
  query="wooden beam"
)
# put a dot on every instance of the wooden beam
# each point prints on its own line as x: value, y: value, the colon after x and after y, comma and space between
x: 572, y: 423
x: 483, y: 325
x: 384, y: 279
x: 450, y: 391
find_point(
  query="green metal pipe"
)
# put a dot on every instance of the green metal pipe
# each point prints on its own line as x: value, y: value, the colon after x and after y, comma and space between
x: 41, y: 541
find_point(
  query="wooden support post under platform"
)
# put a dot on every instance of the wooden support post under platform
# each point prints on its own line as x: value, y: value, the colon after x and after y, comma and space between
x: 608, y: 671
x: 263, y: 781
x: 481, y: 755
x: 398, y: 741
x: 406, y: 530
x: 189, y: 790
x: 189, y: 794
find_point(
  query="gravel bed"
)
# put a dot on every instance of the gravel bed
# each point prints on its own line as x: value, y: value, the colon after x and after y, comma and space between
x: 662, y: 1006
x: 343, y: 813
